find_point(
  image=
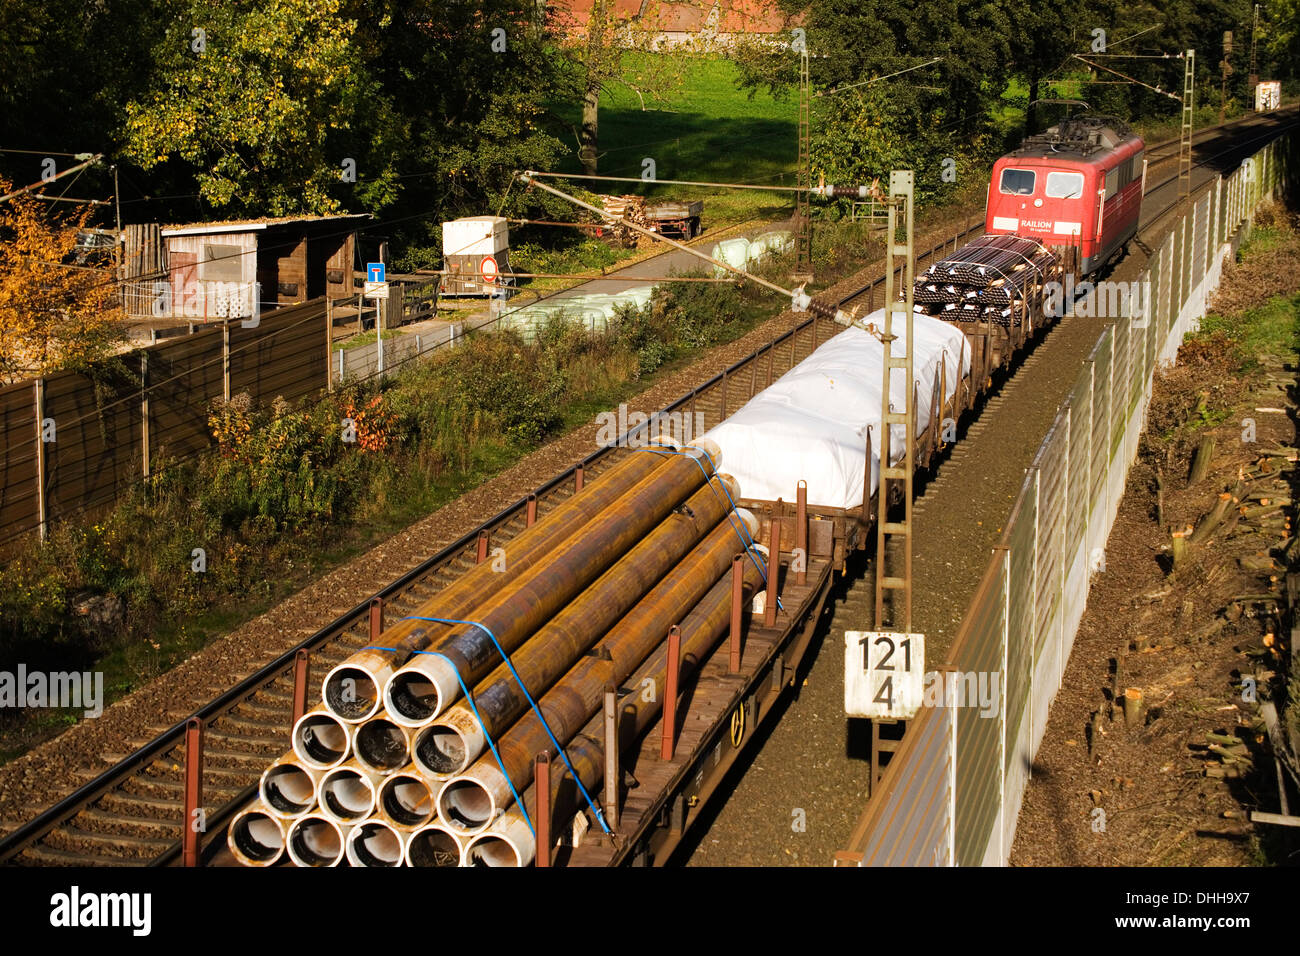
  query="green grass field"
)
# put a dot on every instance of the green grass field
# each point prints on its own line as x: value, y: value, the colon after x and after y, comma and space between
x: 707, y: 130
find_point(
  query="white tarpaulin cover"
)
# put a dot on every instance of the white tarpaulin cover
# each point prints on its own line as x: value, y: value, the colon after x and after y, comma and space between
x: 812, y: 423
x: 593, y: 310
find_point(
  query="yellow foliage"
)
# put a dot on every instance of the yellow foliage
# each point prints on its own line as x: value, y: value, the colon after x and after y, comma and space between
x: 52, y: 316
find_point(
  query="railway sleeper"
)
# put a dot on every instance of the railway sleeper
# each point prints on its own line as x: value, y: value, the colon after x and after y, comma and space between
x: 112, y: 844
x: 237, y: 727
x: 42, y: 855
x: 97, y: 820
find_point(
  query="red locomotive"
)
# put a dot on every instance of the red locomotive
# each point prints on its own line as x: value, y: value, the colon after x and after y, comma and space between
x: 1078, y: 185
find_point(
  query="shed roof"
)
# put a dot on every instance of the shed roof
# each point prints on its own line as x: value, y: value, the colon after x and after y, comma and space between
x: 251, y: 225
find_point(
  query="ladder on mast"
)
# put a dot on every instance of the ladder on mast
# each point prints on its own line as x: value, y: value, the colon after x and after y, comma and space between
x: 1185, y: 134
x: 890, y: 577
x: 803, y: 213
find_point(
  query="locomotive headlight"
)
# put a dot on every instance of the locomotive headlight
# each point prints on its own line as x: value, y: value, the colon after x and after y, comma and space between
x: 1038, y: 202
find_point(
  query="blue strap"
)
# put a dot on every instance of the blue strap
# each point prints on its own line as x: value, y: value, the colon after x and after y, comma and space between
x: 600, y: 817
x: 733, y: 518
x: 482, y: 726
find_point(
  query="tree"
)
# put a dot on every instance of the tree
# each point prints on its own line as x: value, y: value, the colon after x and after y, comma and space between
x: 265, y: 102
x: 53, y: 314
x: 612, y: 47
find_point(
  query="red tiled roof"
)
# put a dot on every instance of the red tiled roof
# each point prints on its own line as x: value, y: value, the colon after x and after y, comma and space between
x: 731, y: 16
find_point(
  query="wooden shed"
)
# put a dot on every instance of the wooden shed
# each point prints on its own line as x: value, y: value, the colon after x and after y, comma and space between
x: 213, y: 270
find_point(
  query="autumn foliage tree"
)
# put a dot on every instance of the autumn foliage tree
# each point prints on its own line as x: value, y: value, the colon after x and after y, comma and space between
x: 53, y: 315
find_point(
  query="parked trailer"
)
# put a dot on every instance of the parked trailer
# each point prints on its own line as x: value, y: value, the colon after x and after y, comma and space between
x: 678, y: 220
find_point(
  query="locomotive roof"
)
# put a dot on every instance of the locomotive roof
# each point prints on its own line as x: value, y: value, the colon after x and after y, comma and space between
x: 1079, y: 136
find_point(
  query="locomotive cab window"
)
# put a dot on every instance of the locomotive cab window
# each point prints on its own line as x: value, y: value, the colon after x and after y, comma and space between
x: 1017, y: 182
x: 1064, y: 185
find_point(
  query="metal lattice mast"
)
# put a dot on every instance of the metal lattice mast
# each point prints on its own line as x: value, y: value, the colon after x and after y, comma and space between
x: 1185, y: 136
x: 898, y: 309
x: 802, y: 214
x: 1252, y: 79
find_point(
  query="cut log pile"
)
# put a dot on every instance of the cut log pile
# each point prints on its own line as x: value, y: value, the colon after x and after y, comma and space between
x: 629, y: 208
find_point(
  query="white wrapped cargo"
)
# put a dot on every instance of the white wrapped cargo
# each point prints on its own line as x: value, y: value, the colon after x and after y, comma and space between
x: 812, y: 423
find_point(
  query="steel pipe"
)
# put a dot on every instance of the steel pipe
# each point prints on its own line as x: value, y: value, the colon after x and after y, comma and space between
x: 348, y: 793
x: 419, y: 692
x: 405, y: 799
x: 256, y: 837
x: 352, y: 690
x: 456, y: 739
x: 288, y: 787
x: 321, y: 740
x: 469, y: 802
x: 509, y: 841
x: 381, y: 746
x: 376, y: 843
x: 434, y: 845
x: 315, y: 840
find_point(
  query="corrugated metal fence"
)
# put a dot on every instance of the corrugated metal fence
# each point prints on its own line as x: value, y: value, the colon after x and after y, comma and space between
x: 72, y: 441
x: 952, y: 793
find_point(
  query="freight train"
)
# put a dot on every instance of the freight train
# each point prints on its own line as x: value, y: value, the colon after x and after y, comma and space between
x: 432, y: 745
x: 1078, y: 185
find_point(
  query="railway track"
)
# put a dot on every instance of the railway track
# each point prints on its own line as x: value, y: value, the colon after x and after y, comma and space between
x: 133, y: 812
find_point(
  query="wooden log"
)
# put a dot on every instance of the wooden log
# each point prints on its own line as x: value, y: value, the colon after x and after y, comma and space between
x: 1201, y: 460
x: 1178, y: 542
x: 1257, y: 562
x: 1205, y: 527
x: 1134, y: 708
x: 1262, y: 511
x: 1226, y: 740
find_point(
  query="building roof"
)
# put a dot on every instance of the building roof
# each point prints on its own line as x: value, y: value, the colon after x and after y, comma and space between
x: 690, y: 16
x: 250, y: 225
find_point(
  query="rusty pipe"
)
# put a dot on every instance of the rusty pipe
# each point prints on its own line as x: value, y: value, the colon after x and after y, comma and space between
x: 288, y: 787
x: 456, y: 739
x: 352, y: 690
x: 470, y: 801
x: 315, y: 840
x: 321, y: 740
x: 405, y: 799
x: 509, y: 841
x: 348, y: 792
x: 381, y: 746
x: 434, y: 845
x: 424, y: 688
x: 256, y: 837
x: 376, y: 843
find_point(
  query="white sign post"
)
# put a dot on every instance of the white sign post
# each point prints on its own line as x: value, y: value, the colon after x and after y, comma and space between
x: 377, y: 291
x: 884, y: 674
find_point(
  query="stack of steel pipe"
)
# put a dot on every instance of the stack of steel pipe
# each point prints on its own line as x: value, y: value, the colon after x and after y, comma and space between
x: 994, y: 278
x: 396, y: 766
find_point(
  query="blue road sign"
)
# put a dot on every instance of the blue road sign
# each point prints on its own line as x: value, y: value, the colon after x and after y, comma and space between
x: 376, y: 272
